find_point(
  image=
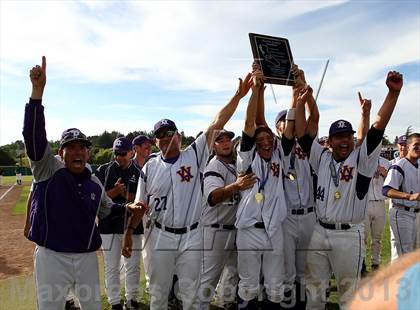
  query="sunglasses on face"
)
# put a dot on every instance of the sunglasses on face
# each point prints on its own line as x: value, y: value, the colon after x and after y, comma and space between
x: 122, y: 154
x: 163, y: 134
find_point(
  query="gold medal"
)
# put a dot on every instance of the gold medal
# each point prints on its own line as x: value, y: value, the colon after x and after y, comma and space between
x: 337, y: 195
x: 292, y: 177
x: 259, y: 197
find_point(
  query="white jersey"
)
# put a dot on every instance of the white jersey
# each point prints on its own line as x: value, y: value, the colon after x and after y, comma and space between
x: 395, y: 160
x: 173, y: 191
x: 375, y: 189
x: 405, y: 177
x: 298, y: 182
x: 344, y: 203
x: 219, y: 174
x: 272, y: 209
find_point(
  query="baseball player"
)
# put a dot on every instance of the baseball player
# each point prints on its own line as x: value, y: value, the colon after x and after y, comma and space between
x: 222, y: 194
x: 65, y: 203
x: 120, y: 178
x: 142, y: 149
x: 1, y: 177
x: 262, y: 208
x: 298, y: 188
x: 18, y: 172
x: 402, y: 152
x: 402, y: 185
x: 344, y: 174
x: 375, y: 215
x: 171, y: 186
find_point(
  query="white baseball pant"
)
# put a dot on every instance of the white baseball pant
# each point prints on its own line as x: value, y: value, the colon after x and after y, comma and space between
x: 297, y: 231
x: 218, y: 251
x: 394, y: 252
x: 170, y: 254
x: 111, y: 249
x: 228, y: 284
x: 337, y: 251
x: 403, y: 225
x: 375, y: 224
x: 256, y: 251
x: 56, y: 273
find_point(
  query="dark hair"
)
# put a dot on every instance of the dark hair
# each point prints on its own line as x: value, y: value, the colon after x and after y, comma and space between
x: 413, y: 136
x: 263, y: 129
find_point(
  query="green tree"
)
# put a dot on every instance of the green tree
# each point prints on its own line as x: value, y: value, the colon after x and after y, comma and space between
x: 5, y: 158
x: 102, y: 156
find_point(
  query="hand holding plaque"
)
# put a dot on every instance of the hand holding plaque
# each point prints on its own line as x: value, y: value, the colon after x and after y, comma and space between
x: 274, y: 57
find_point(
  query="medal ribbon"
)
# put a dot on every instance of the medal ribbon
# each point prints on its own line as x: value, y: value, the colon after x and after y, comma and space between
x: 264, y: 181
x: 334, y: 173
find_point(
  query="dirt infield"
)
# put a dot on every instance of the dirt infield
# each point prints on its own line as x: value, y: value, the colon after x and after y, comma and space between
x: 15, y: 250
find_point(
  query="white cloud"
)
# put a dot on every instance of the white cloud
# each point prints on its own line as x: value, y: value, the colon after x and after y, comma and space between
x: 187, y: 45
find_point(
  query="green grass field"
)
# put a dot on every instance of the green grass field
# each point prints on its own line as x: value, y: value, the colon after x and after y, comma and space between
x: 19, y: 293
x: 10, y: 180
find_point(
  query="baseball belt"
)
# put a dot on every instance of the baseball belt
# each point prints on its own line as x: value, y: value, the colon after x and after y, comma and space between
x: 301, y: 211
x: 177, y: 231
x: 223, y: 226
x: 337, y: 226
x: 409, y: 209
x: 259, y: 225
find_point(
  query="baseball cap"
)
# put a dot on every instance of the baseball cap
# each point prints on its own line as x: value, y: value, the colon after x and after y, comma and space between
x: 280, y: 115
x: 139, y: 140
x: 164, y: 123
x: 223, y: 133
x: 323, y: 139
x: 402, y: 139
x: 73, y: 134
x: 122, y: 144
x: 340, y: 126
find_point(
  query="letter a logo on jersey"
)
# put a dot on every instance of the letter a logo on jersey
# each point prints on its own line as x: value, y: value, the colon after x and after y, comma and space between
x: 346, y: 173
x: 276, y: 169
x: 185, y: 174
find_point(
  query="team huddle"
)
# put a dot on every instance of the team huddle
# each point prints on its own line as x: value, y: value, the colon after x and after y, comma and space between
x: 259, y: 221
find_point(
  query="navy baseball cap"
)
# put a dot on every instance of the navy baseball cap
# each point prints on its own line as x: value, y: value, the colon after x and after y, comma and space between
x: 139, y: 140
x: 164, y: 123
x: 223, y: 133
x: 122, y: 144
x: 73, y: 134
x: 402, y: 139
x: 280, y: 115
x: 340, y: 126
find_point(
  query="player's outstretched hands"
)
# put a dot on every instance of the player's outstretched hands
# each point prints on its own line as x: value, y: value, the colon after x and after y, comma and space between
x: 244, y: 86
x: 38, y: 76
x: 299, y: 76
x: 394, y: 81
x: 414, y: 197
x: 246, y: 181
x: 304, y: 93
x: 365, y: 104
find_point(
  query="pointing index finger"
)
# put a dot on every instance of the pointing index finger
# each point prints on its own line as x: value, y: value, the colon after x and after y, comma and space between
x: 44, y: 64
x: 360, y: 97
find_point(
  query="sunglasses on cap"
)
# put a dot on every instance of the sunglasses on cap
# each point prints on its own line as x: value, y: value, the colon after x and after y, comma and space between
x: 163, y: 134
x: 122, y: 154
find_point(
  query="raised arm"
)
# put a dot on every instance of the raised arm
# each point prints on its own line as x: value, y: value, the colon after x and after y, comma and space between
x: 394, y: 81
x: 34, y: 133
x: 365, y: 105
x: 227, y: 111
x: 260, y: 117
x: 251, y: 111
x: 313, y: 119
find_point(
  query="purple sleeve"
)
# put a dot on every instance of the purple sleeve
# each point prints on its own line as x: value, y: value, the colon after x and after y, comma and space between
x: 34, y: 133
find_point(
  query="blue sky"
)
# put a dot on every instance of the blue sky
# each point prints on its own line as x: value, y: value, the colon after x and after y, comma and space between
x: 115, y: 65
